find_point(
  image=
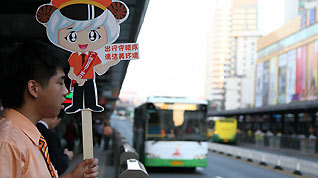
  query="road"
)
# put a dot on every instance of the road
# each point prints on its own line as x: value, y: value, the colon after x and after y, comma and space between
x: 218, y: 166
x: 125, y: 127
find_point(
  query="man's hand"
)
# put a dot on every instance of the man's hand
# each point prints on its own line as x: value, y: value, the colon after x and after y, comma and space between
x: 88, y: 166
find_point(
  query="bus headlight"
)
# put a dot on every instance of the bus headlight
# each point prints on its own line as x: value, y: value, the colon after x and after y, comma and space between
x: 200, y: 157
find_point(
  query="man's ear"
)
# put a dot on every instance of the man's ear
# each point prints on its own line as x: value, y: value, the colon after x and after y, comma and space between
x: 33, y: 88
x: 119, y: 10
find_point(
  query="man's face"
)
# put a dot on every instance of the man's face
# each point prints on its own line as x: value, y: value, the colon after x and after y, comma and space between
x: 52, y: 96
x: 82, y: 41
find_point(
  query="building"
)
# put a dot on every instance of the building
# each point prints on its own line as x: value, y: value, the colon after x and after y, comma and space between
x: 232, y: 52
x: 286, y: 82
x: 304, y: 5
x: 219, y: 52
x: 287, y: 64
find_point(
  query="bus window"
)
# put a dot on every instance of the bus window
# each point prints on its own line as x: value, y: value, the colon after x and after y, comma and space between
x: 153, y: 124
x: 167, y: 129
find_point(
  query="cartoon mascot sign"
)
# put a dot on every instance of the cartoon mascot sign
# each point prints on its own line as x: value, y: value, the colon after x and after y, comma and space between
x: 87, y: 28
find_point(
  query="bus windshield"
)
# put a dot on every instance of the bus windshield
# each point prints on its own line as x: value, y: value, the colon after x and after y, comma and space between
x: 176, y: 124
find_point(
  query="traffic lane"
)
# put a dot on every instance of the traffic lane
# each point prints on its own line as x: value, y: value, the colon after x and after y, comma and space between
x: 218, y: 167
x: 226, y: 167
x: 124, y: 127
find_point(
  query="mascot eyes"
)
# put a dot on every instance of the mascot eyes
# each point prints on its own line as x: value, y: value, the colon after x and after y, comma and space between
x: 71, y: 37
x: 93, y: 35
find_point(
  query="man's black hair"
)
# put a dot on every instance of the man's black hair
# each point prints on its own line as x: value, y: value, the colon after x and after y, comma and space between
x: 31, y: 60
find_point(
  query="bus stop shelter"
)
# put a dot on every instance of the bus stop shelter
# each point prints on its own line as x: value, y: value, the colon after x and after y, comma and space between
x: 274, y: 111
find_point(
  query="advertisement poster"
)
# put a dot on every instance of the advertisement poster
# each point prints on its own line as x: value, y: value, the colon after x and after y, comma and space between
x: 272, y: 96
x: 312, y: 76
x: 259, y: 84
x: 300, y: 73
x: 291, y: 76
x: 265, y: 83
x: 282, y: 78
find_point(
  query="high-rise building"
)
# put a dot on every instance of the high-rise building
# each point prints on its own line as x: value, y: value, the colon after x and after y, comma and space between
x: 219, y: 52
x: 232, y: 53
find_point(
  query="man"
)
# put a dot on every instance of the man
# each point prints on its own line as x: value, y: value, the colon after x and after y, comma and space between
x: 32, y: 88
x: 60, y: 158
x: 108, y: 132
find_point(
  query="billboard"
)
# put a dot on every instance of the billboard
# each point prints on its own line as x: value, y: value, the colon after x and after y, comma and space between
x: 282, y: 78
x: 265, y: 83
x: 272, y: 96
x: 312, y: 71
x: 291, y: 76
x: 259, y: 84
x: 300, y: 73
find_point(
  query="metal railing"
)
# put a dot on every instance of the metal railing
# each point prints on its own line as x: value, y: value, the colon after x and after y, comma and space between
x: 290, y: 142
x: 126, y: 159
x: 298, y: 166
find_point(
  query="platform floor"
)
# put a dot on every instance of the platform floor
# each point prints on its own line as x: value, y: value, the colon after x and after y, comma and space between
x: 106, y: 169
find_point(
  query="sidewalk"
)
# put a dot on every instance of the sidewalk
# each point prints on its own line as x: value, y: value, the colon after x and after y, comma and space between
x: 106, y: 170
x: 281, y: 151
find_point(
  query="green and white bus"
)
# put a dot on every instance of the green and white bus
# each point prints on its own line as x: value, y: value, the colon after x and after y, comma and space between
x: 171, y: 132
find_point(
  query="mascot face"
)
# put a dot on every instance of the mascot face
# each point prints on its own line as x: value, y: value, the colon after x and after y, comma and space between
x: 82, y: 41
x: 82, y: 26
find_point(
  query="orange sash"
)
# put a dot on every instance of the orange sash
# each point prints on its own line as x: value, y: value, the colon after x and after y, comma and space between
x: 87, y: 65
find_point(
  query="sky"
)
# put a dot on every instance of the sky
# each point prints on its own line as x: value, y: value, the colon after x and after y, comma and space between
x: 271, y: 15
x: 173, y: 48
